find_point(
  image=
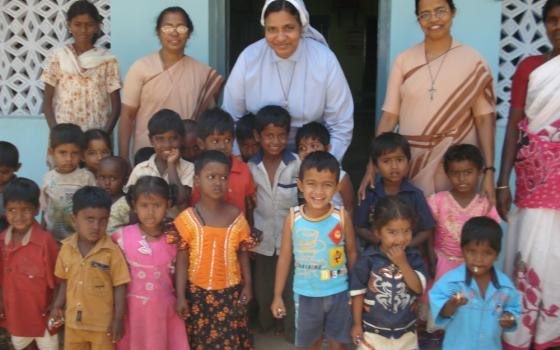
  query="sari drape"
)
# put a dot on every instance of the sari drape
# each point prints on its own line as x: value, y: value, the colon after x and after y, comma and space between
x: 533, y: 247
x: 464, y: 90
x: 188, y: 87
x: 73, y: 64
x: 538, y: 159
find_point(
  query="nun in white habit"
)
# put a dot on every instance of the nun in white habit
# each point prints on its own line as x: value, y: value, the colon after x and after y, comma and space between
x: 292, y: 67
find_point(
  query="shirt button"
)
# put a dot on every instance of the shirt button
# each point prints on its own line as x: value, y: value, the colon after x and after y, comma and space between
x: 80, y: 283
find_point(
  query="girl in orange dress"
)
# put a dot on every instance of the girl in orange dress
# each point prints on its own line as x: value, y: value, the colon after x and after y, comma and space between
x: 215, y: 237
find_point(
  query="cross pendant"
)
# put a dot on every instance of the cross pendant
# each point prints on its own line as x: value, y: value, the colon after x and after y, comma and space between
x: 432, y: 91
x: 286, y: 104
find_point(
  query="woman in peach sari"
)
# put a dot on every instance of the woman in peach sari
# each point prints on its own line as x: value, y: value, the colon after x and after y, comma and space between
x: 165, y: 79
x: 440, y: 93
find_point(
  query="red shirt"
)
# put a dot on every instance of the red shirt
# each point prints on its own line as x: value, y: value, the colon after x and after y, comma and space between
x: 27, y: 280
x: 240, y: 185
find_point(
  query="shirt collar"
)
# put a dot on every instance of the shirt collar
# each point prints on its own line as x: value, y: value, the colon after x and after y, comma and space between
x: 103, y: 243
x: 287, y: 157
x: 24, y: 241
x: 151, y: 163
x: 73, y: 172
x: 295, y: 57
x: 406, y: 186
x: 493, y: 277
x: 463, y: 275
x: 236, y: 165
x: 375, y: 250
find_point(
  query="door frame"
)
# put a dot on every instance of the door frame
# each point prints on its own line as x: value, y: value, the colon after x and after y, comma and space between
x: 383, y: 54
x: 218, y: 30
x: 219, y: 14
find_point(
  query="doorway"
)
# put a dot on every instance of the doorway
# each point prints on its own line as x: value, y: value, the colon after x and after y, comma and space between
x: 350, y: 27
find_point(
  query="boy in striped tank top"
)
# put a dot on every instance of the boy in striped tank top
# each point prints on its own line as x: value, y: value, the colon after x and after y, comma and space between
x: 321, y: 238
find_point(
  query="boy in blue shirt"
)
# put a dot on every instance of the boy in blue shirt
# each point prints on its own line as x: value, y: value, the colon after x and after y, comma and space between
x: 476, y: 302
x: 321, y: 238
x: 390, y: 154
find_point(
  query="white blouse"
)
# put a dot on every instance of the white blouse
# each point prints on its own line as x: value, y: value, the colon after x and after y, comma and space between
x: 311, y: 80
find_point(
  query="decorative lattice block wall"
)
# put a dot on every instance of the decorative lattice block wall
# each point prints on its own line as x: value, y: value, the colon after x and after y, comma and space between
x: 523, y: 34
x: 29, y: 29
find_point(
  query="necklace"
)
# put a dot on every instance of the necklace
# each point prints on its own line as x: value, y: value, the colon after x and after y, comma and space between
x: 286, y: 93
x: 432, y: 90
x: 200, y: 215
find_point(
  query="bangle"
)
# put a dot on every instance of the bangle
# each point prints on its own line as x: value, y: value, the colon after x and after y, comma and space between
x: 502, y: 188
x: 489, y: 168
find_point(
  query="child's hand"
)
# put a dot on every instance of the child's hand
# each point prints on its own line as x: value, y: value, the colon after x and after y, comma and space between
x: 257, y: 234
x: 357, y: 334
x: 182, y: 308
x: 246, y: 295
x: 173, y: 156
x: 456, y: 301
x: 507, y: 320
x: 278, y: 308
x: 116, y: 331
x: 397, y: 256
x: 56, y: 318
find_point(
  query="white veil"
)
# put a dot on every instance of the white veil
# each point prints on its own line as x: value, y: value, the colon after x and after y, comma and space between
x: 308, y: 30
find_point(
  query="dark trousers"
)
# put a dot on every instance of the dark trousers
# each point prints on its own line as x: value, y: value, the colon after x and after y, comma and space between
x: 263, y: 282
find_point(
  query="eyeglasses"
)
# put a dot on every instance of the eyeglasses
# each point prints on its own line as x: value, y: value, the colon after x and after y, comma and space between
x: 438, y: 13
x: 180, y: 29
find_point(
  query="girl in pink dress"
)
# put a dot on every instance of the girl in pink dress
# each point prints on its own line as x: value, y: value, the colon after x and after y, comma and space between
x: 451, y: 209
x: 151, y: 321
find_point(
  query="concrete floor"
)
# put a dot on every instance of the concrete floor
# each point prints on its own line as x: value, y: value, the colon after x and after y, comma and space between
x: 269, y: 341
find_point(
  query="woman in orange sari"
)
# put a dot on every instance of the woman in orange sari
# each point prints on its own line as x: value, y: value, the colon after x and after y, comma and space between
x: 440, y: 93
x: 165, y: 79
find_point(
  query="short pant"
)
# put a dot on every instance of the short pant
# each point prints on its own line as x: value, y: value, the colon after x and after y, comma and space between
x: 408, y: 341
x: 79, y: 339
x: 46, y: 342
x: 327, y: 317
